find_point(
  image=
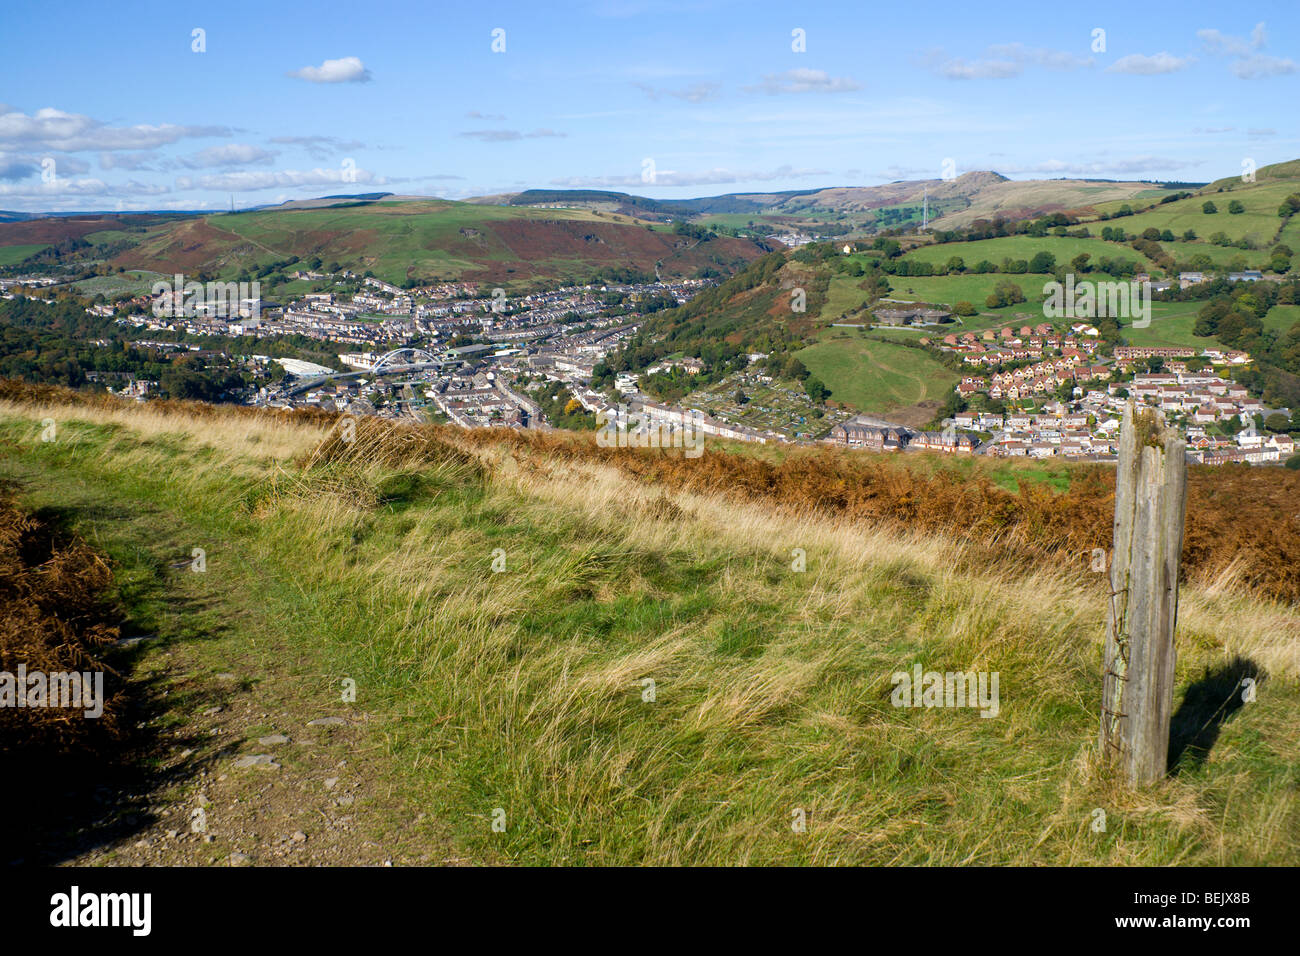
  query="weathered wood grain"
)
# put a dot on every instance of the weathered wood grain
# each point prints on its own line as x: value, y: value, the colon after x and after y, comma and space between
x: 1138, y: 669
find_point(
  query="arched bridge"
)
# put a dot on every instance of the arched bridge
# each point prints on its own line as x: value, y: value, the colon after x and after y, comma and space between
x: 399, y: 359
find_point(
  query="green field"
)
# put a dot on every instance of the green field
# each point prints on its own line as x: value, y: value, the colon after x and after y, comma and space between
x: 12, y: 255
x: 1171, y: 327
x: 1291, y: 236
x: 948, y: 290
x: 843, y: 297
x: 1259, y: 222
x: 875, y: 376
x: 741, y: 220
x: 118, y: 235
x: 1221, y: 256
x: 1281, y: 318
x: 302, y: 286
x: 1172, y: 324
x: 1026, y: 247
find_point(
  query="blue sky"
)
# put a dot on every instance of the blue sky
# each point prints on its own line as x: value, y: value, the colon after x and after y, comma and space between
x: 109, y: 107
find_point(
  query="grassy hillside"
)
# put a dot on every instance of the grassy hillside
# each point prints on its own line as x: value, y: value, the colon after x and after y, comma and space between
x: 1025, y: 247
x: 905, y: 384
x: 949, y: 290
x: 1172, y: 324
x: 442, y: 240
x: 1259, y: 222
x: 9, y: 255
x: 398, y: 241
x: 43, y: 232
x: 526, y: 690
x: 1014, y: 199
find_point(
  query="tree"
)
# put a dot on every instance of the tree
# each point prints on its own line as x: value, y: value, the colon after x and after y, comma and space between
x: 963, y: 308
x: 1277, y: 422
x: 1293, y: 463
x: 889, y: 247
x: 815, y: 389
x: 1011, y: 292
x: 1209, y: 208
x: 1042, y: 262
x: 1235, y: 208
x: 740, y: 397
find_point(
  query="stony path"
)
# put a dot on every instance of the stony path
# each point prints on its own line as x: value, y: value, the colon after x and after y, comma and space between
x: 300, y: 794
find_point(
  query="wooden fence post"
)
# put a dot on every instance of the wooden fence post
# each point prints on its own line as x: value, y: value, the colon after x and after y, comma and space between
x: 1138, y: 674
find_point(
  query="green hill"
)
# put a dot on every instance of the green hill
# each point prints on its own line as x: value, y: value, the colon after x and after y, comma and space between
x: 1259, y: 222
x: 435, y: 240
x: 399, y: 241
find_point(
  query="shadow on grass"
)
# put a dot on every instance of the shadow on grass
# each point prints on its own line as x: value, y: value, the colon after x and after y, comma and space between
x: 1207, y: 705
x: 61, y: 803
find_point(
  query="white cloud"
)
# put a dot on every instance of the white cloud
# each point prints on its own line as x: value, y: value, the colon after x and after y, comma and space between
x: 232, y: 154
x: 1130, y: 166
x: 1141, y: 65
x: 15, y: 167
x: 1248, y: 62
x: 65, y: 186
x: 53, y: 129
x: 319, y: 147
x: 959, y: 69
x: 711, y: 177
x: 1002, y: 61
x: 131, y: 161
x: 250, y: 181
x: 347, y: 69
x: 694, y: 93
x: 1261, y: 64
x: 896, y: 173
x: 508, y: 135
x: 1216, y: 41
x: 1038, y: 56
x: 803, y: 80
